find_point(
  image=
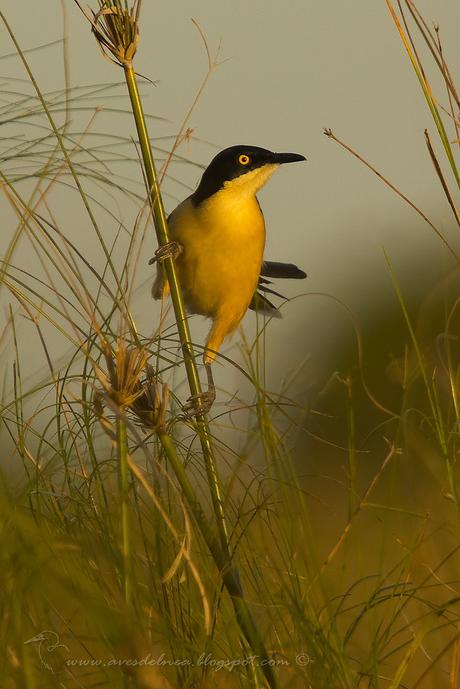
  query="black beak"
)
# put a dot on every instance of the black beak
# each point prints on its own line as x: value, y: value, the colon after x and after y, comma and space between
x: 281, y: 158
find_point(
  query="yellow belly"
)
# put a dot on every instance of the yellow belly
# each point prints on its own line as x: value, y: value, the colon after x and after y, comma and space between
x: 223, y: 242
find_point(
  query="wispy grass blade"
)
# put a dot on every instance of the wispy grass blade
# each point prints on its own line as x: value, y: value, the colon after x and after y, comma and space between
x: 427, y: 92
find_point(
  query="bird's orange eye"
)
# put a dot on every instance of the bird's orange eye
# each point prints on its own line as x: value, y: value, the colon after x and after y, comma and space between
x: 244, y: 159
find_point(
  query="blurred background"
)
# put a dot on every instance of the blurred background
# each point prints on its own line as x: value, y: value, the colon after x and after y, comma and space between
x: 285, y: 72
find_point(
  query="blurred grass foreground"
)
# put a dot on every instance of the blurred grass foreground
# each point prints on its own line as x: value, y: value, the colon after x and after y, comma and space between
x: 279, y: 542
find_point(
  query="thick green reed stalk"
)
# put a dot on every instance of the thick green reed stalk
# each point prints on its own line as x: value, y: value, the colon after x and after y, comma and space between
x: 221, y: 554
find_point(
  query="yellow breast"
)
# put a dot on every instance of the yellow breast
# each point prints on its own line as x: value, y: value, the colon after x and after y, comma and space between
x: 223, y: 241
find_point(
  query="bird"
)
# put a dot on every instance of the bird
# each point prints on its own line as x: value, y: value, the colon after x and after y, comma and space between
x: 48, y: 642
x: 218, y: 239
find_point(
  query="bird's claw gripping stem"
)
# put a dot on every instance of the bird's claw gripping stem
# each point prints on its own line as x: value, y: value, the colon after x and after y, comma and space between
x: 170, y: 250
x: 199, y: 405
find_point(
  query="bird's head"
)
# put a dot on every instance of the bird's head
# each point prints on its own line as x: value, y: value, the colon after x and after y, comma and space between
x: 241, y: 168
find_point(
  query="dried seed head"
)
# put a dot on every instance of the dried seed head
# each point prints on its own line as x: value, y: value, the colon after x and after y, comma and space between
x: 116, y: 29
x: 124, y: 369
x: 150, y: 406
x: 131, y: 385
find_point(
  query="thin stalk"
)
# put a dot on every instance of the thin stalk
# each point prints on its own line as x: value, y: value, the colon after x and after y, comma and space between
x: 220, y: 551
x: 437, y: 167
x: 123, y: 469
x: 161, y: 227
x: 65, y: 153
x: 330, y: 134
x: 430, y: 389
x: 229, y: 573
x: 426, y: 88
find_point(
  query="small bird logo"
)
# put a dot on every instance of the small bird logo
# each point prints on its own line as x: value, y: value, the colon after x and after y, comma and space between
x: 218, y: 239
x: 47, y: 642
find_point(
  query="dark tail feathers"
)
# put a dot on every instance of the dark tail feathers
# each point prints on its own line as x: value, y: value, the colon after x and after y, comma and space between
x: 273, y: 269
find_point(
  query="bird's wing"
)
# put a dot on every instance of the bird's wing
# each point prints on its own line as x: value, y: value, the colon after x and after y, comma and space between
x: 262, y: 305
x: 273, y: 269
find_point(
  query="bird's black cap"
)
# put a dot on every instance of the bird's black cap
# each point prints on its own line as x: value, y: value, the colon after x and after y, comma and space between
x: 235, y: 161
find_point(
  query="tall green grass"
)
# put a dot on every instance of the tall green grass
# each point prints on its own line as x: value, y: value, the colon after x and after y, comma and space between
x: 140, y: 548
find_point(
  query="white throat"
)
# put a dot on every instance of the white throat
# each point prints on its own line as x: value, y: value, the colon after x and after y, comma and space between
x: 249, y: 184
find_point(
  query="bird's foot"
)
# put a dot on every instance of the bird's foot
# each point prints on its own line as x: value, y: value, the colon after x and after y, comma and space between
x: 169, y: 250
x: 199, y: 405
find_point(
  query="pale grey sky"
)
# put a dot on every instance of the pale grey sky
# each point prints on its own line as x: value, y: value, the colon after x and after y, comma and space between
x: 289, y: 69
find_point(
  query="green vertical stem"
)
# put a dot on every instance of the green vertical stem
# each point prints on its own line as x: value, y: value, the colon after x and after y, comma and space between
x: 229, y: 573
x: 220, y: 550
x: 427, y: 93
x: 123, y: 472
x: 161, y: 227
